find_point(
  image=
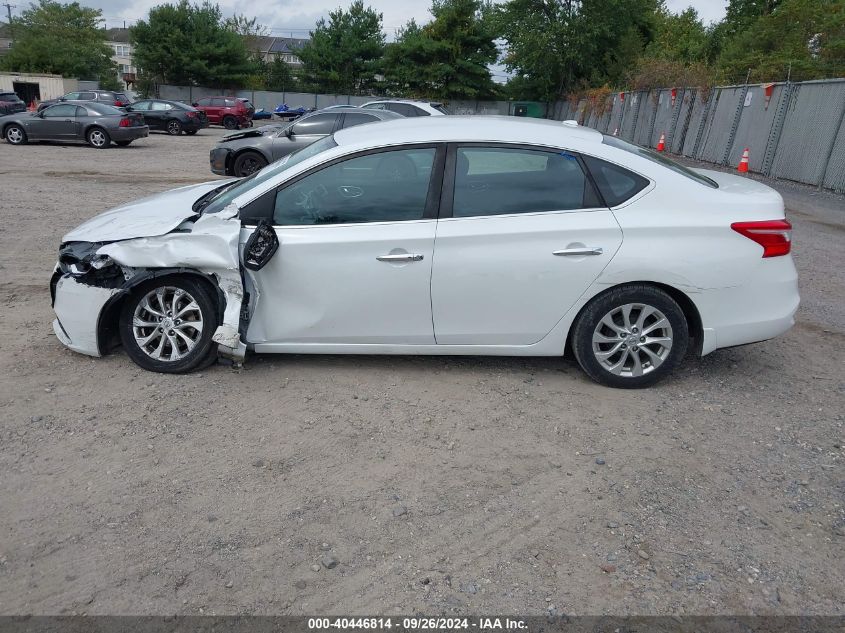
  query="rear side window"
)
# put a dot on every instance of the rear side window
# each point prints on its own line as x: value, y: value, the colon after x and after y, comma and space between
x: 499, y: 180
x: 659, y: 159
x: 218, y: 103
x: 615, y: 183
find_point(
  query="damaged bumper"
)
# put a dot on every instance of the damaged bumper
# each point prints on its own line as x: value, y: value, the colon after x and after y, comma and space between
x: 78, y: 307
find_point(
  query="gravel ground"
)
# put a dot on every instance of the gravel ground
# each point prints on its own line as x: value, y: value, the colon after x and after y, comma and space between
x: 339, y: 484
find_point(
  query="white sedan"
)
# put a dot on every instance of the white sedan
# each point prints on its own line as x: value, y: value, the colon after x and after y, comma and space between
x: 439, y: 235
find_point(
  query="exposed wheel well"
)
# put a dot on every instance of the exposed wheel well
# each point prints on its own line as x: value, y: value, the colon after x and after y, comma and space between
x: 107, y: 334
x: 687, y: 306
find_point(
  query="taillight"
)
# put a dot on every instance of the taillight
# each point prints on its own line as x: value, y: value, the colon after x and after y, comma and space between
x: 125, y: 122
x: 192, y: 115
x: 118, y: 103
x: 775, y: 236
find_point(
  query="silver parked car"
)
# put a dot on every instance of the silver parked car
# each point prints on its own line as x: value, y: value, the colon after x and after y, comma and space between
x: 97, y: 124
x: 244, y: 153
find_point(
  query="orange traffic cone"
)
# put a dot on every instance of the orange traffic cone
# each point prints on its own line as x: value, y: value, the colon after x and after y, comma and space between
x: 661, y: 144
x: 743, y: 162
x: 32, y: 107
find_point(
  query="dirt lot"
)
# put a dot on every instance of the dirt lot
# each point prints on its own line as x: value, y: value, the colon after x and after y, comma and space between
x: 436, y: 484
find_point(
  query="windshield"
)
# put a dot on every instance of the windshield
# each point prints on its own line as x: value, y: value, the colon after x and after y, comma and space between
x: 229, y: 193
x: 660, y: 159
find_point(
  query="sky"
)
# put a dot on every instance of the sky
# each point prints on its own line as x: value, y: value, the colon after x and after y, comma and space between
x: 297, y: 17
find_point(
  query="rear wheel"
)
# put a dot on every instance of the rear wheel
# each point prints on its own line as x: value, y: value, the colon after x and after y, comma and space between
x: 98, y: 137
x: 15, y: 134
x: 174, y: 127
x: 630, y: 337
x: 230, y: 123
x: 248, y: 163
x: 166, y: 325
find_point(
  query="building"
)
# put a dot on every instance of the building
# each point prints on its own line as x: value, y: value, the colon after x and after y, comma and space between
x: 5, y: 38
x: 37, y: 87
x: 118, y: 40
x: 271, y: 48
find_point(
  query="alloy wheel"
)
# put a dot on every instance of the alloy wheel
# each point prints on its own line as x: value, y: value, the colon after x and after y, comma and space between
x: 249, y: 166
x: 14, y: 135
x: 632, y: 340
x: 174, y: 127
x: 167, y: 323
x: 97, y: 138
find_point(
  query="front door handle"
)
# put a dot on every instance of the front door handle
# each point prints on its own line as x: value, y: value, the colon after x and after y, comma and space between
x: 579, y: 252
x: 400, y: 257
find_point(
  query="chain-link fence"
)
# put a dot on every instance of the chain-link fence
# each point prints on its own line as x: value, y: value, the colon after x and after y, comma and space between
x: 794, y: 131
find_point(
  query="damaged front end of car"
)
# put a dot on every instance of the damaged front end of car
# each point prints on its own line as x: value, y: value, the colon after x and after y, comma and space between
x: 93, y: 278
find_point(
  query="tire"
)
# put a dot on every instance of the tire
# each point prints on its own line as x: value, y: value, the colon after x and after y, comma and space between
x: 173, y: 127
x: 14, y: 134
x: 609, y: 345
x: 248, y: 163
x: 230, y: 123
x: 98, y: 138
x: 190, y: 132
x: 122, y: 143
x: 151, y: 347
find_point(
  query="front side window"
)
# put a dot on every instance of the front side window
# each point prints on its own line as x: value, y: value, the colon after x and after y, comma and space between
x: 386, y: 186
x: 374, y: 106
x: 355, y: 118
x: 317, y: 124
x: 498, y: 180
x: 141, y: 106
x: 204, y: 102
x: 60, y: 111
x: 71, y: 96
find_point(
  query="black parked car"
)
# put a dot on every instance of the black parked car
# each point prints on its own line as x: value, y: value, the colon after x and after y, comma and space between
x: 10, y: 103
x: 101, y: 96
x: 244, y: 153
x: 171, y: 116
x: 94, y: 123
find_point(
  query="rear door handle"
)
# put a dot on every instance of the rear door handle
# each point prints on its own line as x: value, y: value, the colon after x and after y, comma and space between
x: 400, y: 257
x: 579, y: 252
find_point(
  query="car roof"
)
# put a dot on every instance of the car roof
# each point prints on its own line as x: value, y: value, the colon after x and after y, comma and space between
x: 503, y: 129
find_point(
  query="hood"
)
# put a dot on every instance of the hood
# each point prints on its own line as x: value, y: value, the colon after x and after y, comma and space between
x: 147, y: 217
x: 251, y: 133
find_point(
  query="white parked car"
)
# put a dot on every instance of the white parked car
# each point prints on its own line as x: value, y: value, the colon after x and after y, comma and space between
x: 448, y: 235
x: 408, y: 107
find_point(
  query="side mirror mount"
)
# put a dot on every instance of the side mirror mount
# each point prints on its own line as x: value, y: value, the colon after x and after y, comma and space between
x: 261, y: 246
x: 289, y: 131
x: 62, y: 99
x: 195, y: 104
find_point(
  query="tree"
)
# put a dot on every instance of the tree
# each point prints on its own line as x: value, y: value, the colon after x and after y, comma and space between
x: 447, y: 58
x: 191, y: 44
x: 679, y: 37
x: 62, y: 39
x: 344, y: 53
x: 557, y: 46
x: 806, y: 37
x: 279, y: 76
x: 248, y: 29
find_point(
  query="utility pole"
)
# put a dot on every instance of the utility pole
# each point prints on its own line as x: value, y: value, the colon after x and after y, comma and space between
x: 9, y: 8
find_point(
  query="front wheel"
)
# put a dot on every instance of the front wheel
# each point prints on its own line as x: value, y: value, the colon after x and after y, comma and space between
x: 15, y: 134
x: 98, y: 137
x: 166, y: 325
x: 248, y: 163
x: 630, y: 337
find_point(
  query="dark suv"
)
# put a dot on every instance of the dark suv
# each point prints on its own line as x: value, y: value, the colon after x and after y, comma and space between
x: 230, y: 112
x: 10, y: 103
x: 101, y: 96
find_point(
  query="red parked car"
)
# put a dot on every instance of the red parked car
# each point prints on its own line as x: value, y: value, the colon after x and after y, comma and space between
x: 230, y: 112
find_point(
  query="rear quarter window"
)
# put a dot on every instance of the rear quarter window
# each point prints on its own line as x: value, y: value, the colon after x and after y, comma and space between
x: 660, y: 159
x: 616, y: 184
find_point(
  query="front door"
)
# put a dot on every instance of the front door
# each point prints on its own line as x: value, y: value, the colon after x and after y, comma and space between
x: 524, y: 238
x: 355, y: 255
x: 304, y: 132
x: 58, y: 123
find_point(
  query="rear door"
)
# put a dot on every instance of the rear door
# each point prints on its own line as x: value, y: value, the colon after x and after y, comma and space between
x: 522, y: 235
x: 304, y: 132
x: 158, y: 114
